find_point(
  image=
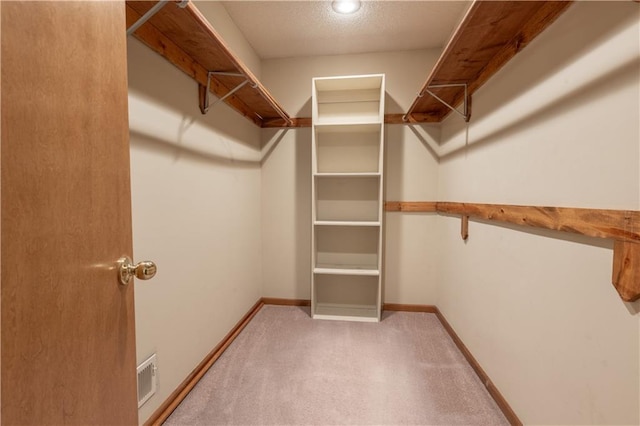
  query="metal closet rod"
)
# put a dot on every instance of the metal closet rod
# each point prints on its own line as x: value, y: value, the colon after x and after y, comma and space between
x: 155, y: 9
x: 254, y: 85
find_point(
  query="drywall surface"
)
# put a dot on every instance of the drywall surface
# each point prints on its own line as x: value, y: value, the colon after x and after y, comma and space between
x: 410, y: 169
x: 410, y: 238
x: 286, y: 213
x: 559, y: 125
x: 220, y: 20
x: 196, y: 212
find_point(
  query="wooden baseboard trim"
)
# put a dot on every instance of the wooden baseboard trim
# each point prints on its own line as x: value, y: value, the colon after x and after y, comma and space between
x: 502, y: 403
x: 286, y: 302
x: 385, y: 306
x: 178, y: 395
x: 409, y: 308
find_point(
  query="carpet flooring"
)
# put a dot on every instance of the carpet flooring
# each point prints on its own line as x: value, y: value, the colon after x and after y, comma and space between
x: 287, y: 369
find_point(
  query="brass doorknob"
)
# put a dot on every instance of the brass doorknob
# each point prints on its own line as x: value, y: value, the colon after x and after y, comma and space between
x: 142, y: 270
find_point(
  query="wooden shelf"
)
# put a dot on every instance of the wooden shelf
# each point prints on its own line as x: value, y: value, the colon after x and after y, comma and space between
x: 185, y: 38
x: 490, y: 34
x: 621, y: 226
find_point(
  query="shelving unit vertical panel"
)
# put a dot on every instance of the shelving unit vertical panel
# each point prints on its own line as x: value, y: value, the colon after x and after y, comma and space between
x: 381, y: 151
x: 314, y: 171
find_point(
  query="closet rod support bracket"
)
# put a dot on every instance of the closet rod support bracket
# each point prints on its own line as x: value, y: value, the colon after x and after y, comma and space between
x: 466, y: 112
x: 204, y: 92
x: 144, y: 18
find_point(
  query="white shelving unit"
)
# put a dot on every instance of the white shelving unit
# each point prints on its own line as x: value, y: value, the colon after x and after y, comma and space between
x: 347, y: 197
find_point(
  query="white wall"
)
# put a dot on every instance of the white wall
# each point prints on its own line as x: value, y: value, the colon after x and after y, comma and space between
x: 286, y: 176
x: 196, y: 212
x: 557, y: 126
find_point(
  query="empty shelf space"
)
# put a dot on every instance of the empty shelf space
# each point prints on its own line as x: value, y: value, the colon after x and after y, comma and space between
x: 347, y: 247
x: 349, y: 96
x: 348, y: 199
x: 332, y: 114
x: 346, y: 296
x: 348, y: 128
x: 349, y: 100
x: 363, y: 313
x: 343, y: 149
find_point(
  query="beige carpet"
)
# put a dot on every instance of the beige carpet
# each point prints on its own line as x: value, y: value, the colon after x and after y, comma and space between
x: 287, y: 369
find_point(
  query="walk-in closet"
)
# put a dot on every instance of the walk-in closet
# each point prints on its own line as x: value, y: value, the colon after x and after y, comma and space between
x: 320, y: 212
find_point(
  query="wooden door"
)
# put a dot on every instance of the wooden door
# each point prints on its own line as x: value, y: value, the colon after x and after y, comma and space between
x: 68, y: 343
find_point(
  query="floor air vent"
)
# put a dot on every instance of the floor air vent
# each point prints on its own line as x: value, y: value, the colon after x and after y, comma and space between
x: 146, y: 380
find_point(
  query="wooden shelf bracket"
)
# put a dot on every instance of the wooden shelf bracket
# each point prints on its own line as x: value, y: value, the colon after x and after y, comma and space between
x: 464, y: 227
x: 155, y: 9
x: 204, y: 92
x: 626, y: 270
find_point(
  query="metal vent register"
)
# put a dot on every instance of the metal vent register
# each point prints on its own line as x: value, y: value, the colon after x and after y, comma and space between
x: 147, y: 380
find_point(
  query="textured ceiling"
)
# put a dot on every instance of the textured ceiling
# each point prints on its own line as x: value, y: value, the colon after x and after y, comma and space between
x: 281, y: 29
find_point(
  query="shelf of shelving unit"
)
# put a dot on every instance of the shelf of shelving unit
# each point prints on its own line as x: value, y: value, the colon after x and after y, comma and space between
x: 342, y: 270
x: 347, y: 192
x: 347, y: 175
x: 346, y: 223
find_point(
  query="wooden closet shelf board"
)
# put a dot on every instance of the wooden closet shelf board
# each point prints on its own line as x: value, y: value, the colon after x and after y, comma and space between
x: 490, y: 34
x: 621, y: 226
x: 185, y: 38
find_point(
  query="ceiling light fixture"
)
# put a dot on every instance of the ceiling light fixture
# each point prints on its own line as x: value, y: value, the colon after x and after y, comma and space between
x: 345, y: 7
